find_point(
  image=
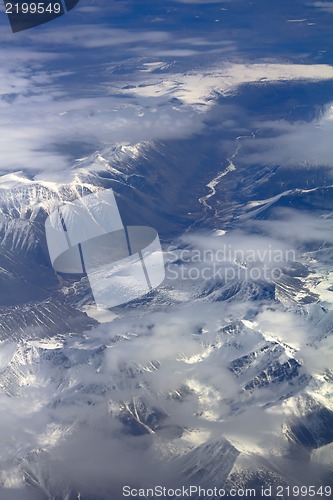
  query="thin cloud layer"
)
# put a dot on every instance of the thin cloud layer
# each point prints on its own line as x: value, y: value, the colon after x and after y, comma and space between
x: 297, y: 228
x: 199, y: 88
x: 45, y: 125
x: 324, y: 6
x: 297, y: 144
x: 56, y: 120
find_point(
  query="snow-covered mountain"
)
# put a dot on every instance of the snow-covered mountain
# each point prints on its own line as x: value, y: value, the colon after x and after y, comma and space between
x: 203, y: 381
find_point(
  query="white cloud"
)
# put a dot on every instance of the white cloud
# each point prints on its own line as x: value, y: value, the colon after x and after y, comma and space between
x: 324, y: 6
x: 297, y: 144
x: 44, y: 125
x: 40, y: 121
x: 284, y: 327
x: 318, y: 359
x: 296, y: 228
x: 91, y: 36
x: 198, y: 89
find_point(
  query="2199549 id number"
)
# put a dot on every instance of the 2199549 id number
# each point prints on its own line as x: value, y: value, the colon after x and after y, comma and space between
x: 303, y: 491
x: 33, y: 8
